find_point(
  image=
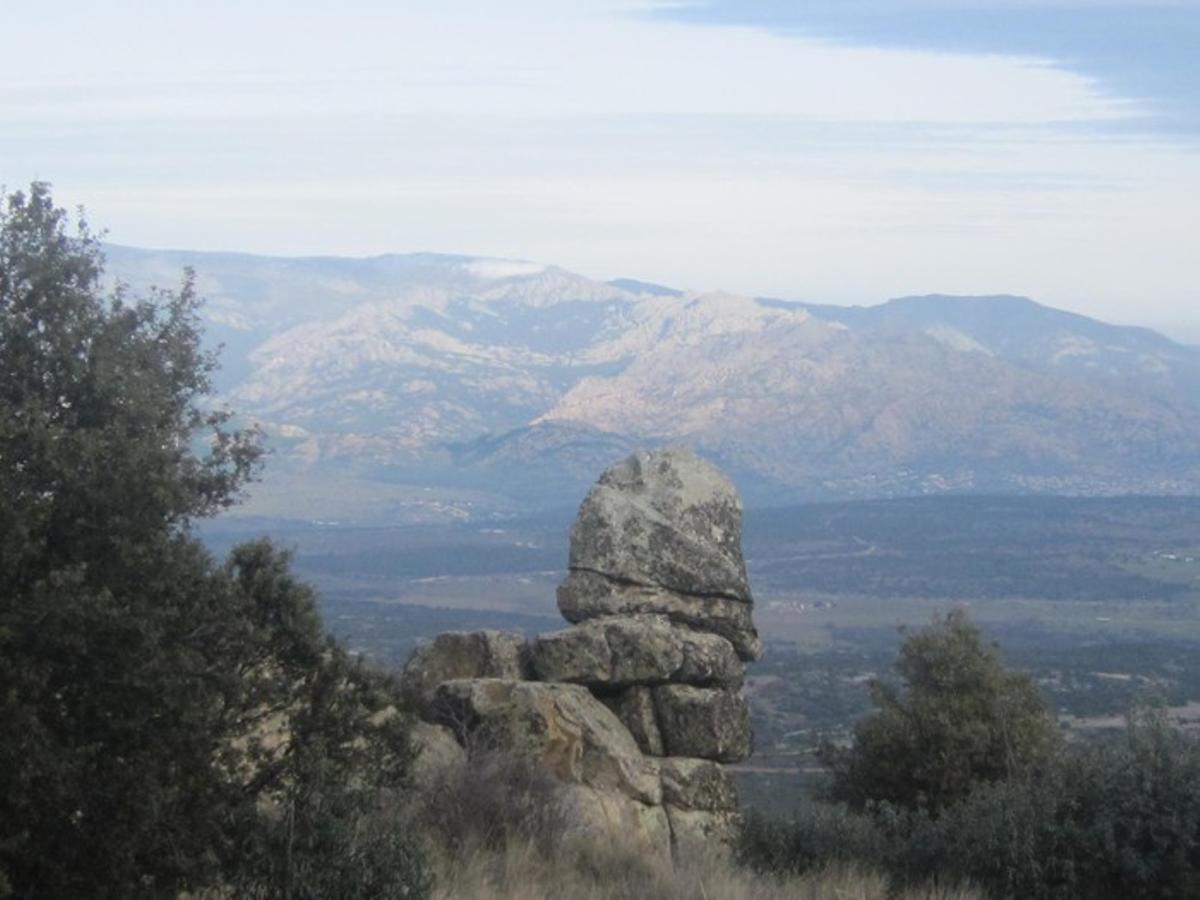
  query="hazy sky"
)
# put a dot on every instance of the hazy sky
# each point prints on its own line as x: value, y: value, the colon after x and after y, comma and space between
x: 834, y: 150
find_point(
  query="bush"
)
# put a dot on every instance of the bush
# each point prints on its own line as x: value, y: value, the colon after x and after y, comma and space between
x: 158, y: 707
x: 816, y: 837
x: 335, y: 840
x: 962, y: 720
x: 497, y: 797
x: 1114, y: 822
x: 1103, y: 822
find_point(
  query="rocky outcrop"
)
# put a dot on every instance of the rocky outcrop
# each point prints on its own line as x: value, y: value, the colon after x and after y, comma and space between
x: 712, y: 724
x: 462, y: 654
x: 635, y: 706
x: 569, y: 731
x: 628, y: 650
x: 662, y: 533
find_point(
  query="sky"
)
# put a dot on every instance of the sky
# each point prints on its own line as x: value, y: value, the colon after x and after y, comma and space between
x: 838, y: 151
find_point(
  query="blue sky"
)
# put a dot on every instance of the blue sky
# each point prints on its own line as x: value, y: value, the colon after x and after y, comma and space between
x: 834, y: 151
x: 1143, y: 50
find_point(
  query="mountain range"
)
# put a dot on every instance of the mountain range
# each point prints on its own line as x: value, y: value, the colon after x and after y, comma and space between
x: 426, y: 387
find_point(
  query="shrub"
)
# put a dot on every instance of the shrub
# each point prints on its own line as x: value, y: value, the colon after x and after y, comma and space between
x: 497, y: 797
x: 962, y: 720
x: 1104, y: 822
x: 156, y: 706
x: 1112, y: 822
x: 815, y: 837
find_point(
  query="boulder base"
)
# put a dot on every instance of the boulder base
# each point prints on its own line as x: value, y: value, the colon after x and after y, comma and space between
x: 626, y: 823
x: 571, y: 733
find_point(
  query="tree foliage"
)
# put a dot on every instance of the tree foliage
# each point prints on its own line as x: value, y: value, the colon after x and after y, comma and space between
x: 1116, y: 821
x: 1101, y: 821
x: 166, y: 717
x: 962, y: 719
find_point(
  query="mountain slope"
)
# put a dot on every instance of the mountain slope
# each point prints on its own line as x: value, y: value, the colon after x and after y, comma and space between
x: 429, y: 386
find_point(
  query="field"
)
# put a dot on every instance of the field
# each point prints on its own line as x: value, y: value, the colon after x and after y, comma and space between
x: 1098, y: 598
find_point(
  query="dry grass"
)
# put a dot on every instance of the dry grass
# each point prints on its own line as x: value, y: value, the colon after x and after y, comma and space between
x: 519, y: 871
x: 496, y: 829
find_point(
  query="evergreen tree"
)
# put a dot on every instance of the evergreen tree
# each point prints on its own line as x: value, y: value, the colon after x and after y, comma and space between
x: 961, y: 720
x: 163, y: 718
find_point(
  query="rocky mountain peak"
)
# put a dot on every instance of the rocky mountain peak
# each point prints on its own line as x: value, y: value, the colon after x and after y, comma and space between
x: 516, y: 380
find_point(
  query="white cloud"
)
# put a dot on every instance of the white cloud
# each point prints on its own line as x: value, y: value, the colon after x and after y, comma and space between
x: 499, y: 59
x: 617, y: 145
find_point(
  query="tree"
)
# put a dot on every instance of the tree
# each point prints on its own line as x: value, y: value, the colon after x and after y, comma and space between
x: 163, y: 714
x: 962, y: 720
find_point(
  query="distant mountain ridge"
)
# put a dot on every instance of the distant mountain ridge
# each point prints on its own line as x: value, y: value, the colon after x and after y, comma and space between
x: 426, y: 386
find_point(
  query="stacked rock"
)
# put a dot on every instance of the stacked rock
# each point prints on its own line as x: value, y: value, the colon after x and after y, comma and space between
x: 636, y: 705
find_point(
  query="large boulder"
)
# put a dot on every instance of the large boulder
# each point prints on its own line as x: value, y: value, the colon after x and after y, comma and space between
x: 702, y: 722
x: 661, y: 532
x: 619, y: 651
x: 462, y: 654
x: 566, y: 729
x: 618, y: 821
x: 698, y: 834
x: 700, y: 801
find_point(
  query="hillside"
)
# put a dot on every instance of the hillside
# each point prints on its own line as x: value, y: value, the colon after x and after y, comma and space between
x: 433, y: 388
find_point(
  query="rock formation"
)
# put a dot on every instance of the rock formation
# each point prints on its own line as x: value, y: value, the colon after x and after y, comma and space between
x: 636, y: 704
x: 662, y: 533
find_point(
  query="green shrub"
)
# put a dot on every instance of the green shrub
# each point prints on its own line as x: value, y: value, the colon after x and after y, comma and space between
x: 1114, y: 822
x: 816, y: 836
x: 158, y: 709
x: 1104, y: 822
x: 961, y: 720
